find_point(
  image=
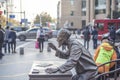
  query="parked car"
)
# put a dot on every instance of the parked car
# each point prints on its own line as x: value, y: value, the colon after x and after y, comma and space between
x: 55, y: 33
x: 19, y: 28
x: 31, y: 34
x: 117, y: 35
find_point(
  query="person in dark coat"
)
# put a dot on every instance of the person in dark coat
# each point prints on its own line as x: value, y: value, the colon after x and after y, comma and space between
x: 12, y: 43
x: 6, y: 43
x: 1, y: 41
x: 78, y: 57
x: 95, y: 38
x: 86, y: 34
x: 112, y: 34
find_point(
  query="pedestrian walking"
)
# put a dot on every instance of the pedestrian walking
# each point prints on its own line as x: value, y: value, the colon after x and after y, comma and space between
x: 63, y: 47
x: 12, y: 40
x: 112, y: 34
x: 41, y: 38
x: 95, y: 37
x: 1, y: 41
x: 78, y: 57
x: 6, y: 43
x: 86, y: 34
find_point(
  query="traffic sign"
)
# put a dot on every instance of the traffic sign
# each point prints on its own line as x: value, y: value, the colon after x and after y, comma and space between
x: 24, y: 20
x: 12, y: 16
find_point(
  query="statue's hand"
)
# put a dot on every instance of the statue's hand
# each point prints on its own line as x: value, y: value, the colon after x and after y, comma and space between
x: 51, y: 70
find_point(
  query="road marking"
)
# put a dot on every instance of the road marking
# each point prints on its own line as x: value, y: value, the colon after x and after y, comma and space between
x: 22, y: 62
x: 17, y: 75
x: 23, y: 45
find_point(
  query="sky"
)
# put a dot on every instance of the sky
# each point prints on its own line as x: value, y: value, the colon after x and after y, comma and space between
x: 34, y: 7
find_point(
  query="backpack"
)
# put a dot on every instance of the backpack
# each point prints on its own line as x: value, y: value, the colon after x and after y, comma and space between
x: 42, y: 35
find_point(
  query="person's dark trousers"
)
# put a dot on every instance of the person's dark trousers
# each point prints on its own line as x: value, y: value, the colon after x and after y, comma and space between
x: 86, y: 44
x: 1, y: 54
x: 63, y: 47
x: 6, y: 46
x: 94, y: 43
x: 41, y: 44
x: 13, y: 46
x: 9, y: 46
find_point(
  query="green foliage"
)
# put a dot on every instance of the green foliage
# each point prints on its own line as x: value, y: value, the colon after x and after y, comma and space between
x: 37, y: 19
x: 45, y: 17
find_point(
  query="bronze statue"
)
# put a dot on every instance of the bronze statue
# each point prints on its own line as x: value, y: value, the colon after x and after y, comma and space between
x: 78, y: 57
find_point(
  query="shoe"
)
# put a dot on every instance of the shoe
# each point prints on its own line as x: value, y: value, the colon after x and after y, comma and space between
x: 40, y: 51
x: 2, y: 54
x: 1, y: 57
x: 15, y: 52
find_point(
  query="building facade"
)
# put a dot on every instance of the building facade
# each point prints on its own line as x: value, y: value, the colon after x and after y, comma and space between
x: 79, y: 13
x: 69, y: 13
x: 6, y: 6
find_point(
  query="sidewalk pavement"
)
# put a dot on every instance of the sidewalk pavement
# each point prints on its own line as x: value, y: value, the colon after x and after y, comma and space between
x: 17, y: 67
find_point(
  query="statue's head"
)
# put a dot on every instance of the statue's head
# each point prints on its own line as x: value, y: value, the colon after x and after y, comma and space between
x: 63, y: 36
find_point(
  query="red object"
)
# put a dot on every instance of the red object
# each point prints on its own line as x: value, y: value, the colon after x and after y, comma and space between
x: 1, y: 12
x: 48, y: 24
x: 37, y: 45
x: 104, y: 25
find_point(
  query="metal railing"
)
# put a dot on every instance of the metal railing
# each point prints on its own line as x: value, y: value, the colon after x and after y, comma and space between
x: 105, y: 75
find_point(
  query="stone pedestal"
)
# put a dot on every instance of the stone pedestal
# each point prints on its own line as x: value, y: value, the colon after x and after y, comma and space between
x: 38, y: 71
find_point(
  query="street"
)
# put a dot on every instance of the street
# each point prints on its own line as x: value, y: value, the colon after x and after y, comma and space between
x: 17, y: 67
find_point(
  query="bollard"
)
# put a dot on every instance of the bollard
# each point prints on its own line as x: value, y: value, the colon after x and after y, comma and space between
x: 21, y: 50
x: 48, y: 49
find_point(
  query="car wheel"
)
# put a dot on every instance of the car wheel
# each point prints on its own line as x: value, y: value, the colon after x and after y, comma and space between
x: 22, y: 38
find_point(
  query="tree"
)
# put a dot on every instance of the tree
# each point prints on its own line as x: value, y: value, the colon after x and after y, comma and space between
x: 37, y: 19
x: 45, y: 17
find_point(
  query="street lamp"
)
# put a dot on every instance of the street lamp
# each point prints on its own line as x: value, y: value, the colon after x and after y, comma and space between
x: 21, y: 9
x: 40, y: 21
x: 6, y: 12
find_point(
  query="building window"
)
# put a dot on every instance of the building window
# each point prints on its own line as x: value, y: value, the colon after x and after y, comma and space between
x: 100, y: 6
x: 83, y: 23
x: 101, y: 11
x: 83, y: 3
x: 72, y: 13
x: 71, y: 24
x: 118, y: 4
x: 100, y: 2
x: 83, y: 13
x: 83, y: 7
x: 72, y: 2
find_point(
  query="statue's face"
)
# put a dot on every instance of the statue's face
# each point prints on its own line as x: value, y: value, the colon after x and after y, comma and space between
x: 60, y: 40
x: 63, y: 37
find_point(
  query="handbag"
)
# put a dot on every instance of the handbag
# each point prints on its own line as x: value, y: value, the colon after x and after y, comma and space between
x: 37, y: 45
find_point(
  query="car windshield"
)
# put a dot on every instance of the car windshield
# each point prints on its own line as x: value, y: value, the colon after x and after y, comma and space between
x: 35, y: 30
